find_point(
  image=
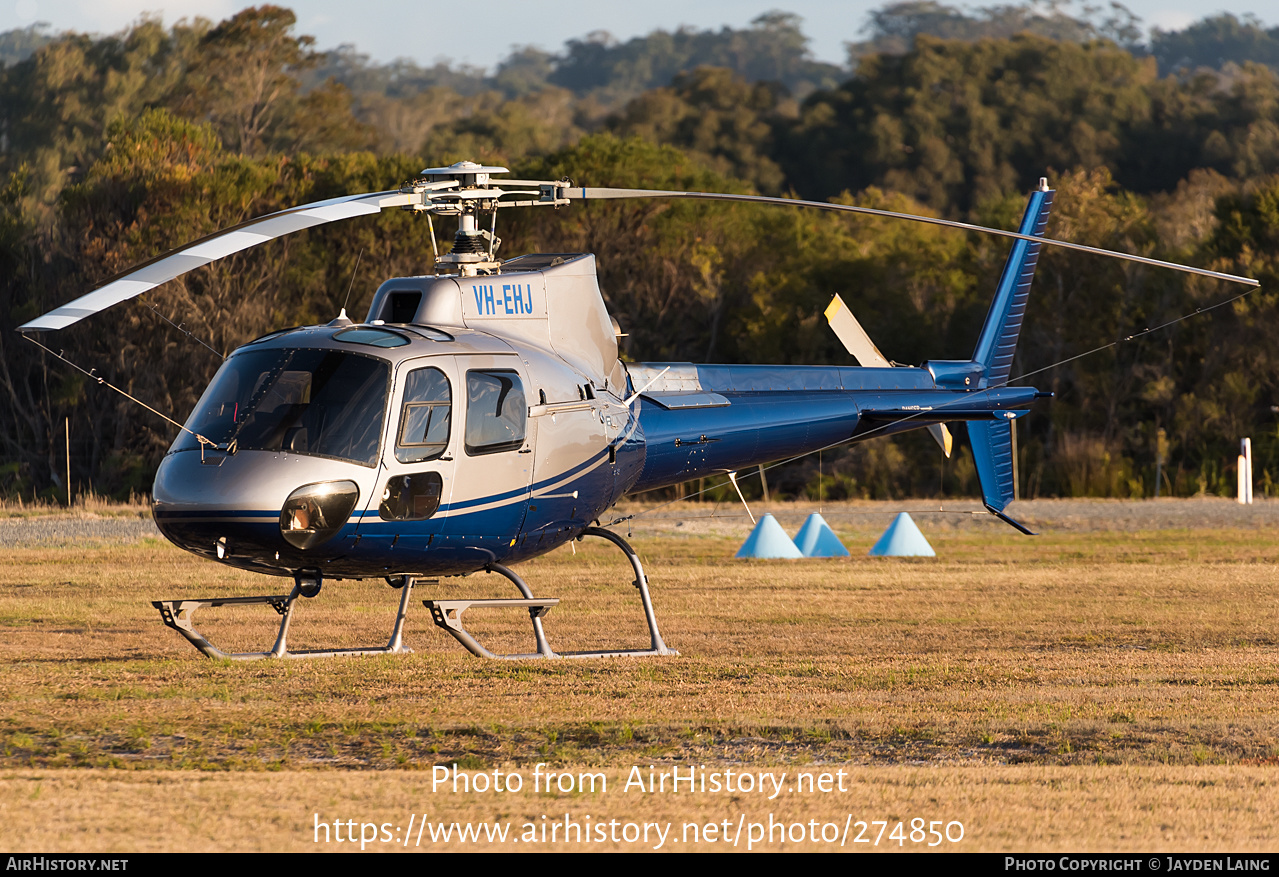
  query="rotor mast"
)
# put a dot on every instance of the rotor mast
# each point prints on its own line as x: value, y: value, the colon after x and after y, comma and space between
x: 467, y: 190
x: 474, y: 248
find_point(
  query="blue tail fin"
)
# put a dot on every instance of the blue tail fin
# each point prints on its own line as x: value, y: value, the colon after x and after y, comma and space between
x: 998, y: 340
x: 992, y: 440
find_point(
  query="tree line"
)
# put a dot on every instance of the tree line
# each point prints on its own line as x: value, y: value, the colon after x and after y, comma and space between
x: 114, y: 149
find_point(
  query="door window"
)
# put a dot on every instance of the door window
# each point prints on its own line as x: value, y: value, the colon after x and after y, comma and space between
x: 495, y: 411
x: 424, y: 419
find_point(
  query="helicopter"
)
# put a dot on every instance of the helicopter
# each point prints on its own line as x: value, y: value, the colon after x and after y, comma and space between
x: 479, y: 416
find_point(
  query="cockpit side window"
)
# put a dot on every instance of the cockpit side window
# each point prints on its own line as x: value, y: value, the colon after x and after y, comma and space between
x: 425, y: 416
x: 495, y: 411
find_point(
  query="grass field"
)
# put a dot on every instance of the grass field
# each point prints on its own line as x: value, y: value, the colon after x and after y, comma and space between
x: 1108, y: 685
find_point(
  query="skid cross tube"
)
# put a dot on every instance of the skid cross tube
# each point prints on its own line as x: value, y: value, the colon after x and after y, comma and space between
x: 447, y: 614
x: 178, y: 615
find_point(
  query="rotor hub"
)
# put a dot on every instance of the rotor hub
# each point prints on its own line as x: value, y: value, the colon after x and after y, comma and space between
x: 469, y: 174
x: 471, y: 191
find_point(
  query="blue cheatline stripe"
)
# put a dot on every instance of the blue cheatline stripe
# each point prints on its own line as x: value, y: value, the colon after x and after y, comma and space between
x: 264, y: 517
x: 233, y: 516
x: 497, y: 497
x: 465, y: 504
x: 220, y: 513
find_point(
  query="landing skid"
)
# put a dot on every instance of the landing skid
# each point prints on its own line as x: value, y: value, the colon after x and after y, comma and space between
x: 447, y: 614
x: 178, y: 614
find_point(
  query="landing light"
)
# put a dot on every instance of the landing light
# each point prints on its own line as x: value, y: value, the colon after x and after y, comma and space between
x: 315, y: 512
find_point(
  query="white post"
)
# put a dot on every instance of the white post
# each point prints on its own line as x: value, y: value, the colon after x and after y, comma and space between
x: 1245, y: 447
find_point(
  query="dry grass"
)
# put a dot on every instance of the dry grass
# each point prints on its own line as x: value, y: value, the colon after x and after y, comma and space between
x: 1039, y: 809
x: 82, y: 505
x: 1123, y: 682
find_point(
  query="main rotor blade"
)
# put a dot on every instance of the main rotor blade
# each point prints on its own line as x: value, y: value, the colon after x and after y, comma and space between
x: 579, y: 193
x: 216, y: 246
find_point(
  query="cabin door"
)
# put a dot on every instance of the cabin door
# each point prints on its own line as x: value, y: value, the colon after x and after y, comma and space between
x: 493, y: 441
x: 415, y: 480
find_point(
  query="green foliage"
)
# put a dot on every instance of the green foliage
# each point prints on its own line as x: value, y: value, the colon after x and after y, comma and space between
x: 525, y: 70
x: 14, y: 223
x: 243, y: 77
x: 893, y: 28
x: 715, y: 117
x: 1214, y: 40
x: 773, y: 49
x: 20, y: 44
x: 953, y: 123
x: 119, y: 148
x: 56, y: 105
x: 503, y: 131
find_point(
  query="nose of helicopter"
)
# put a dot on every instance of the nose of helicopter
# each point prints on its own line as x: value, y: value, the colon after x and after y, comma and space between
x: 264, y: 510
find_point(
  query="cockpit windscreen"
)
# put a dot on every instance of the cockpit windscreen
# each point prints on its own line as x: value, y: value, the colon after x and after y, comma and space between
x: 324, y: 403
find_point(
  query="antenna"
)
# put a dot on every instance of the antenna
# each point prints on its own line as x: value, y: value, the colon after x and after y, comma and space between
x: 351, y: 285
x: 342, y: 319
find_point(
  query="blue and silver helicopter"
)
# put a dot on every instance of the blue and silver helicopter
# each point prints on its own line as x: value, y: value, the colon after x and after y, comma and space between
x: 479, y: 416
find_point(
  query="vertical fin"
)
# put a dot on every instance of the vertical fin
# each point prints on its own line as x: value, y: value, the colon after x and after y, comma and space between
x: 998, y: 340
x: 992, y: 443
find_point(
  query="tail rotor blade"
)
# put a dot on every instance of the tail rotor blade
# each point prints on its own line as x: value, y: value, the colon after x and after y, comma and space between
x: 858, y: 343
x: 943, y: 437
x: 853, y: 336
